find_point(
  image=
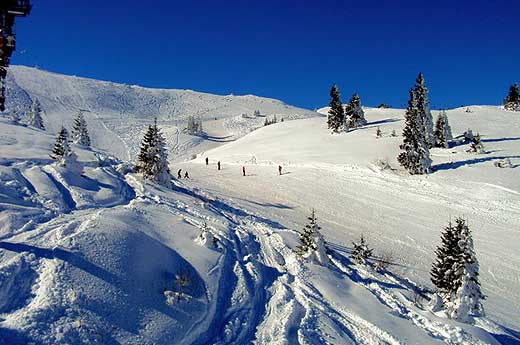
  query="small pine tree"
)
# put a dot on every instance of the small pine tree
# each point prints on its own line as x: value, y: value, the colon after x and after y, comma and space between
x: 153, y: 158
x: 466, y: 295
x: 61, y: 149
x: 416, y: 155
x: 336, y: 115
x: 476, y: 145
x: 423, y: 108
x: 35, y: 115
x: 512, y: 101
x: 14, y: 117
x: 354, y: 114
x: 80, y: 134
x: 256, y: 113
x: 393, y: 134
x: 442, y: 131
x: 379, y: 134
x: 361, y: 252
x: 312, y: 242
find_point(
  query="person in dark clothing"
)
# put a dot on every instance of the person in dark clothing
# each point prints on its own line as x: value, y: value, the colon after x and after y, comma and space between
x: 207, y: 161
x: 186, y: 175
x: 279, y: 169
x: 243, y: 170
x: 179, y: 176
x: 218, y: 165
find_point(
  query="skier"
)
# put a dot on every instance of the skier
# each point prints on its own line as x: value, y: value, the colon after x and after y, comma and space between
x: 279, y: 169
x: 186, y: 175
x: 243, y: 170
x: 207, y: 161
x: 218, y: 165
x: 179, y: 176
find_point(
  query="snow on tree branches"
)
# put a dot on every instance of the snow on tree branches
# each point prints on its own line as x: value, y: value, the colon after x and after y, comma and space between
x: 80, y: 134
x: 61, y: 151
x: 361, y: 252
x: 455, y: 273
x: 194, y: 126
x: 423, y: 108
x: 152, y: 160
x: 442, y: 131
x: 312, y: 243
x: 354, y: 114
x: 476, y: 145
x: 336, y: 115
x: 35, y: 115
x: 512, y: 101
x: 416, y: 155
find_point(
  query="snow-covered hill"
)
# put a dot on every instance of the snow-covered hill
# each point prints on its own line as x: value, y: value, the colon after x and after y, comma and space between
x: 342, y: 177
x: 118, y: 114
x: 99, y: 256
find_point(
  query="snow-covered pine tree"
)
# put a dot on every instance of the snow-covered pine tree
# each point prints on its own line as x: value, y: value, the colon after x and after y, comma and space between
x: 443, y: 273
x: 312, y: 242
x: 35, y: 115
x: 354, y: 114
x: 152, y: 160
x: 442, y: 131
x: 361, y: 252
x: 61, y: 149
x: 14, y: 117
x: 512, y: 101
x: 336, y: 115
x: 423, y: 107
x: 379, y: 134
x: 476, y: 145
x: 416, y: 155
x: 80, y: 134
x: 465, y: 301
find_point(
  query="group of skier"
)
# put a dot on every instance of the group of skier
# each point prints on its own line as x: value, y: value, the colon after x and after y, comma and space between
x: 186, y: 175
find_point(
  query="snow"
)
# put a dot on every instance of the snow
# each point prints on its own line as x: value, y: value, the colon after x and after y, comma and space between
x: 98, y: 255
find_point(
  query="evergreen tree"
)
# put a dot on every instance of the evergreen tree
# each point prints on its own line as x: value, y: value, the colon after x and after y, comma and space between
x: 35, y: 115
x: 476, y: 145
x: 423, y: 108
x: 336, y: 115
x: 379, y: 134
x: 442, y: 131
x: 466, y: 296
x: 512, y: 101
x: 312, y: 242
x: 61, y: 150
x: 361, y: 252
x: 354, y: 114
x: 443, y: 272
x: 80, y: 134
x: 416, y: 155
x: 152, y: 160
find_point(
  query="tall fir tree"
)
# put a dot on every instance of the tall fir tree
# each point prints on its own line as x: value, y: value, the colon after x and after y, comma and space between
x: 423, y: 107
x: 354, y: 114
x: 336, y: 115
x: 512, y: 101
x: 80, y: 134
x: 35, y: 115
x: 61, y: 150
x: 152, y: 160
x: 416, y: 155
x: 442, y: 131
x: 466, y: 297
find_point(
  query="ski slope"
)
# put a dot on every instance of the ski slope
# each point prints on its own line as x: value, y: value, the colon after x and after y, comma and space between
x: 96, y: 255
x: 118, y: 114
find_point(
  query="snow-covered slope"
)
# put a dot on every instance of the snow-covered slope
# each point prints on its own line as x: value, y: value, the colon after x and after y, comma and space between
x: 341, y: 177
x: 118, y: 114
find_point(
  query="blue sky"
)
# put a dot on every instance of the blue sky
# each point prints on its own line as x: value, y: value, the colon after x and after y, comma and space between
x: 469, y: 51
